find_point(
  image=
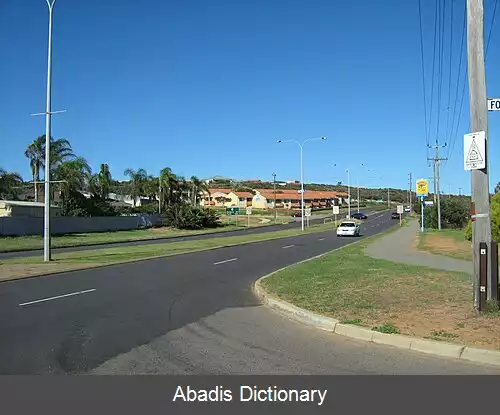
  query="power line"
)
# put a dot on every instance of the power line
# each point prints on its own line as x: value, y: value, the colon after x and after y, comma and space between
x: 423, y: 70
x: 449, y: 75
x: 491, y: 28
x: 433, y: 71
x: 442, y: 12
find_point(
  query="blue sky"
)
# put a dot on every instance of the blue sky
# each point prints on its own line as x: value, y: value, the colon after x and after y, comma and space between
x: 207, y: 87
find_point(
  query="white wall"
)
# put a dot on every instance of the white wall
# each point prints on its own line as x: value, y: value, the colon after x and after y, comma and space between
x: 17, y: 226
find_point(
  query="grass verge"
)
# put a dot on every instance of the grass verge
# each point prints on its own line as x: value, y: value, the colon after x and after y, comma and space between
x: 447, y: 242
x: 389, y: 297
x: 24, y: 267
x: 21, y: 243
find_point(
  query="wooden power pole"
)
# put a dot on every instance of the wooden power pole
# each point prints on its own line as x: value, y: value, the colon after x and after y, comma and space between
x: 481, y: 223
x: 437, y: 190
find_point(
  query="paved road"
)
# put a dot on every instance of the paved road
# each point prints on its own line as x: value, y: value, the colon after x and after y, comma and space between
x: 257, y: 230
x: 191, y: 314
x: 399, y: 247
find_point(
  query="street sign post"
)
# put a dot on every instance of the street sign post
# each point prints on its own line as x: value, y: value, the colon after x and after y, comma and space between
x: 249, y: 212
x: 493, y: 104
x: 475, y: 151
x: 422, y: 206
x: 336, y: 211
x: 307, y: 213
x: 400, y: 211
x: 422, y: 188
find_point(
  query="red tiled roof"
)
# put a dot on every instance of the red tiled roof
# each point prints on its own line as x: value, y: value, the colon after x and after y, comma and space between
x: 244, y: 194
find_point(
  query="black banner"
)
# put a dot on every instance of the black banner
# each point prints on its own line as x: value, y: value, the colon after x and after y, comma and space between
x: 240, y: 395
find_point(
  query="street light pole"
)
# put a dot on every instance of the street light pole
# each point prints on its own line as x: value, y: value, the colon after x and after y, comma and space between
x: 348, y: 193
x: 274, y: 205
x: 301, y: 146
x: 46, y: 228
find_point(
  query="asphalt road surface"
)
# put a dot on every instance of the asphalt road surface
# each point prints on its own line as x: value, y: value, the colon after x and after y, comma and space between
x: 257, y: 230
x: 188, y: 314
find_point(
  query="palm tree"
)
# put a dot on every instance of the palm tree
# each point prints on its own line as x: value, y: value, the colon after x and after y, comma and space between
x: 137, y: 182
x: 198, y: 186
x: 75, y: 173
x: 100, y: 183
x: 168, y: 182
x: 60, y: 151
x: 8, y: 184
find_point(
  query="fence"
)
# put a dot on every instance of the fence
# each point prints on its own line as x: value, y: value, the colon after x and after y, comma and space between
x: 18, y: 226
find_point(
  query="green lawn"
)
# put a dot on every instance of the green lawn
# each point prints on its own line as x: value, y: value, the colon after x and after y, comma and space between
x: 19, y: 243
x: 447, y: 242
x: 390, y: 297
x: 127, y: 253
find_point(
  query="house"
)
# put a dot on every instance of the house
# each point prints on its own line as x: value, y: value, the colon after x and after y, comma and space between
x: 26, y: 209
x: 290, y: 199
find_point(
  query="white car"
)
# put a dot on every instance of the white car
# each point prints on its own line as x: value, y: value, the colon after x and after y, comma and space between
x: 348, y: 228
x: 407, y: 209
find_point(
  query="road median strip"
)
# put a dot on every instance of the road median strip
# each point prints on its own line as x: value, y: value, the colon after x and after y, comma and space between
x: 18, y: 268
x: 286, y: 294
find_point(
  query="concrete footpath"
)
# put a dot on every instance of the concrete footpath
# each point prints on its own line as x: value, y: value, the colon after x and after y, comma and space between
x: 400, y: 246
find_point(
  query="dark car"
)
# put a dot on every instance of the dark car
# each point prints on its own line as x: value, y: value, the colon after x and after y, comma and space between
x: 395, y: 215
x: 358, y: 215
x: 297, y: 214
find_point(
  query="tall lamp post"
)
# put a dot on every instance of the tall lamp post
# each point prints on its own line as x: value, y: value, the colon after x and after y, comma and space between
x: 274, y: 203
x: 301, y: 146
x: 48, y: 113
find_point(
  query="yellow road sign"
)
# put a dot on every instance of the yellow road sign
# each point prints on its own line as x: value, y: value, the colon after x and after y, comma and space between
x: 422, y: 187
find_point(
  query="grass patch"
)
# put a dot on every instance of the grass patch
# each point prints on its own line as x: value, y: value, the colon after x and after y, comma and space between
x: 354, y: 321
x: 346, y: 284
x: 387, y: 328
x: 18, y: 267
x: 19, y: 243
x: 447, y: 242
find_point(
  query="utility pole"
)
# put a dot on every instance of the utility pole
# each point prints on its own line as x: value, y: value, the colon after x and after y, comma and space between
x: 274, y: 205
x: 460, y: 191
x: 481, y: 222
x: 437, y: 197
x: 410, y: 191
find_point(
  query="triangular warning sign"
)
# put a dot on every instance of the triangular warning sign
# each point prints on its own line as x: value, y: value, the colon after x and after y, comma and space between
x: 474, y: 155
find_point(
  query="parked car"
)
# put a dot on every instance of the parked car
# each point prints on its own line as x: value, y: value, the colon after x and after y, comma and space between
x: 348, y: 228
x: 358, y: 215
x: 297, y: 214
x: 394, y: 215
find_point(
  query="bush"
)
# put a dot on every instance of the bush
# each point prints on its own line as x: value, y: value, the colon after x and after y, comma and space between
x: 454, y: 214
x: 495, y: 220
x: 191, y: 217
x: 468, y: 231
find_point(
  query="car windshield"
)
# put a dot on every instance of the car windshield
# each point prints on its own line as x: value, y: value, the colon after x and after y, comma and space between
x: 347, y: 225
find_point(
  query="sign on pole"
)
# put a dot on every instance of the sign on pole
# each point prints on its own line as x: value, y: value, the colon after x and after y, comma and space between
x: 474, y: 151
x: 308, y: 212
x: 493, y: 104
x: 400, y: 209
x: 232, y: 211
x: 422, y: 188
x: 249, y: 210
x: 336, y: 210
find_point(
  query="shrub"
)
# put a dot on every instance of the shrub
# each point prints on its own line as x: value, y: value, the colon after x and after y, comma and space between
x: 495, y: 220
x: 191, y: 217
x: 454, y: 214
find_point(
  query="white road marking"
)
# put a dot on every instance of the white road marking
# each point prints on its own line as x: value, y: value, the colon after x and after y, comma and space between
x: 57, y: 297
x: 288, y: 246
x: 321, y: 239
x: 227, y: 260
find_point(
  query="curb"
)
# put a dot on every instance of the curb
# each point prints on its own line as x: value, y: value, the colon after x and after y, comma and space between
x: 332, y: 325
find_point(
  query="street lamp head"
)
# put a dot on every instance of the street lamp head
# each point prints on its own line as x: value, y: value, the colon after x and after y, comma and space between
x: 323, y: 138
x: 279, y: 141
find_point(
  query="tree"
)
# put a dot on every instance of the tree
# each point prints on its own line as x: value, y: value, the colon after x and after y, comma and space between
x: 60, y: 151
x: 168, y: 183
x: 75, y: 175
x: 497, y: 188
x: 8, y: 184
x: 198, y: 187
x: 454, y: 214
x: 100, y: 183
x: 136, y: 186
